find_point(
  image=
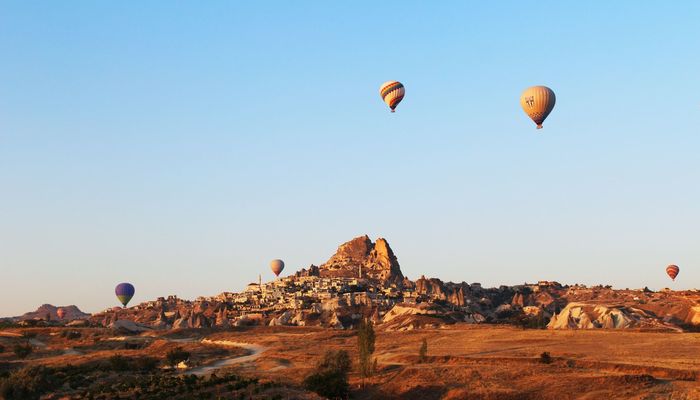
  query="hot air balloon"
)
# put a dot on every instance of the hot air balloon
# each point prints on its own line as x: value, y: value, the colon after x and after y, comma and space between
x: 124, y: 291
x: 672, y: 271
x: 277, y: 266
x: 538, y: 102
x: 392, y: 93
x: 61, y: 313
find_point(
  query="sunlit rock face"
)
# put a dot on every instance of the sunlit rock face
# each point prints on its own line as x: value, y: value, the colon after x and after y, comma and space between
x: 360, y: 257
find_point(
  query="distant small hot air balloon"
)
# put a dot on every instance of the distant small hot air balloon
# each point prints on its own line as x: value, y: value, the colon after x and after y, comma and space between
x: 61, y: 313
x: 392, y: 93
x: 124, y: 291
x: 538, y: 102
x: 277, y: 266
x: 672, y: 271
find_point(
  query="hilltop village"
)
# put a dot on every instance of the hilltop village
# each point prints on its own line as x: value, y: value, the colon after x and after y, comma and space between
x: 363, y: 279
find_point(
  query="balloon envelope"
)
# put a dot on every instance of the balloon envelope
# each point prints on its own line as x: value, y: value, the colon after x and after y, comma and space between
x: 392, y: 93
x: 61, y: 313
x: 277, y: 266
x: 124, y: 291
x: 672, y: 271
x: 538, y: 102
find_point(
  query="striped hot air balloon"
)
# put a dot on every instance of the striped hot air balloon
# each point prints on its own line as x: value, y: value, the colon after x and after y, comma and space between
x: 538, y: 102
x: 392, y: 93
x: 277, y: 266
x: 124, y: 291
x: 672, y: 271
x: 61, y: 313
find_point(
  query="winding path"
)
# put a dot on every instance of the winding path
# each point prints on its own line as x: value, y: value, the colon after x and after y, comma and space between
x: 254, y: 349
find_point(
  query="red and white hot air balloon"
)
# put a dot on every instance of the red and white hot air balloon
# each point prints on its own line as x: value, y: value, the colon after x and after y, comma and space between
x: 672, y: 271
x: 61, y: 313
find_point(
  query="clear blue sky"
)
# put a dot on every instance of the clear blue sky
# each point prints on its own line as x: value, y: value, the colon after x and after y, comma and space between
x: 181, y: 146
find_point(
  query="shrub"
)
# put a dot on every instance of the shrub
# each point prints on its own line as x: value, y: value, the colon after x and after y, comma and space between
x: 330, y: 378
x: 131, y: 345
x: 118, y: 363
x: 146, y: 363
x: 2, y: 348
x: 28, y: 334
x: 335, y: 361
x: 70, y: 335
x: 331, y: 384
x: 23, y: 350
x: 176, y: 355
x: 27, y: 383
x: 545, y: 358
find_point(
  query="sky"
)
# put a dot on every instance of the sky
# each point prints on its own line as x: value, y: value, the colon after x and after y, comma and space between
x: 180, y: 146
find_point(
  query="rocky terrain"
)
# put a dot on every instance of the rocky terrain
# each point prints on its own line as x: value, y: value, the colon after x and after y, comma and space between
x: 363, y: 279
x: 539, y: 340
x: 48, y: 312
x: 362, y: 258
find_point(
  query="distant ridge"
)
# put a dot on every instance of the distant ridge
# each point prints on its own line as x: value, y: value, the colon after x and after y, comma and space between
x: 49, y: 311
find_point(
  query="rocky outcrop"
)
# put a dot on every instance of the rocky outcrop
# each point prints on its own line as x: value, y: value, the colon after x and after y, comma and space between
x: 432, y: 288
x: 518, y: 300
x: 199, y: 320
x: 162, y: 321
x: 284, y: 319
x: 335, y: 322
x: 361, y: 258
x: 311, y: 271
x: 128, y: 327
x: 222, y: 319
x: 182, y: 322
x: 49, y: 312
x: 405, y: 317
x: 243, y: 320
x: 598, y: 316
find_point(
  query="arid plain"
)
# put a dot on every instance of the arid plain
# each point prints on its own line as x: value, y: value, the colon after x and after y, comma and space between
x: 464, y: 361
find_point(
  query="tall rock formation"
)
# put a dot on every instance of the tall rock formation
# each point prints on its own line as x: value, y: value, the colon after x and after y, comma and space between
x: 360, y: 257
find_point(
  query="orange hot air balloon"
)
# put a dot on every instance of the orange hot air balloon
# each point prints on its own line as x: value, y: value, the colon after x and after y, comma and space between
x: 538, y: 102
x: 61, y: 313
x: 277, y: 266
x: 672, y: 271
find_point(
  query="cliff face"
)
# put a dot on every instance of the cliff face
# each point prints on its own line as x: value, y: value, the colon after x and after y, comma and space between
x: 361, y: 256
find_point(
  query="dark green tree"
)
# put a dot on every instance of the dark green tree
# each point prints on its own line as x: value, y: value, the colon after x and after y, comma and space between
x: 423, y: 352
x: 545, y: 358
x: 365, y: 346
x: 330, y: 378
x: 23, y: 350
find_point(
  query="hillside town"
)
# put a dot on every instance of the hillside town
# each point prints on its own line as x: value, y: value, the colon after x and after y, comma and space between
x: 363, y: 279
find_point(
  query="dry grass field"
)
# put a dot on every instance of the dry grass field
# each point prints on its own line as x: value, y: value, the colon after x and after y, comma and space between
x: 492, y: 362
x: 464, y: 361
